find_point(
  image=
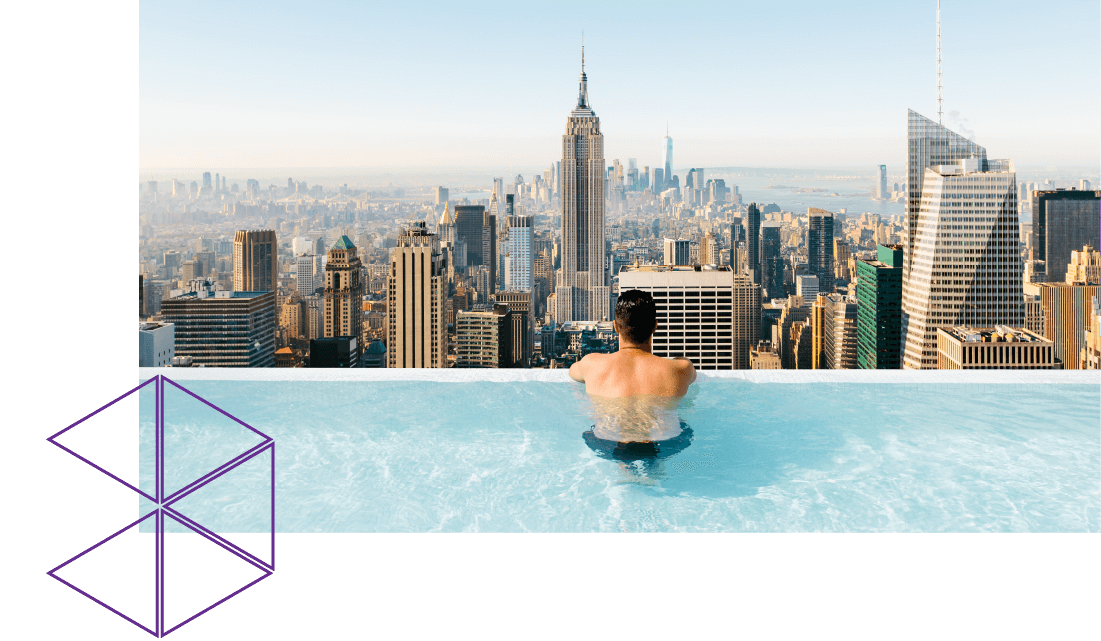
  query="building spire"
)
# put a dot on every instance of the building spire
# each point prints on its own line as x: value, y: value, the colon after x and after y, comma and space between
x: 583, y: 91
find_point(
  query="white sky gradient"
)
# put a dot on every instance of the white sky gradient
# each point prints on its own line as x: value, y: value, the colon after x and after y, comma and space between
x: 776, y: 84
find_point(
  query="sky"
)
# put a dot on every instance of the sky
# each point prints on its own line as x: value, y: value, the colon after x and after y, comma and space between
x: 490, y: 84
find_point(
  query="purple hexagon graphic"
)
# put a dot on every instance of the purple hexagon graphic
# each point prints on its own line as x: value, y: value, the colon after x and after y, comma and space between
x: 165, y: 513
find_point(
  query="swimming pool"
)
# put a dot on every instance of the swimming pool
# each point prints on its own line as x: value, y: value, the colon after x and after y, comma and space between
x: 423, y: 451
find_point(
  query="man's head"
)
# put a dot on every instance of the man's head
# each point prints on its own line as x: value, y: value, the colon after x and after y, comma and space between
x: 636, y: 316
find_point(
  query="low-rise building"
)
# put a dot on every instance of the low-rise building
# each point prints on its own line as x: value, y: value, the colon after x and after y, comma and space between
x: 997, y: 347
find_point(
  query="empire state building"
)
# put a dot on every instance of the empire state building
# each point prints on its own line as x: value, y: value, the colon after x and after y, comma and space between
x: 582, y: 292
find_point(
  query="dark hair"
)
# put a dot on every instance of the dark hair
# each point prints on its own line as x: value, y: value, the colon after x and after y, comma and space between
x: 636, y: 315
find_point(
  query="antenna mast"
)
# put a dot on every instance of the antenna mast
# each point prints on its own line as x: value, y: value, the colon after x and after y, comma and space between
x: 940, y: 96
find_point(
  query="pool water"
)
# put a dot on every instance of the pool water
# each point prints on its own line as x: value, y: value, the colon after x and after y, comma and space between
x: 423, y: 456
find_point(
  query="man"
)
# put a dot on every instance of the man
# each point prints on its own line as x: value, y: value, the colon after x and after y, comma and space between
x: 634, y: 369
x: 635, y: 394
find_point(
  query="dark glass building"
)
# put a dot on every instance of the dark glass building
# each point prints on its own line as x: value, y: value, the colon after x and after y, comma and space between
x: 1063, y: 221
x: 772, y: 262
x: 334, y: 351
x: 469, y: 220
x: 879, y: 310
x: 753, y: 244
x: 820, y: 248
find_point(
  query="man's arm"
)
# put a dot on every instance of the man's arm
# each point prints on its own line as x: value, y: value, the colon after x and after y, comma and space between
x: 687, y: 371
x: 577, y: 371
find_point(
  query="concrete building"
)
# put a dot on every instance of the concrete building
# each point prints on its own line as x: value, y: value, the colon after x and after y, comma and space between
x: 998, y: 347
x: 441, y: 195
x: 709, y: 315
x: 709, y: 250
x: 309, y: 274
x: 881, y: 183
x: 677, y: 251
x: 807, y: 287
x: 841, y: 255
x: 1066, y: 317
x: 1084, y: 267
x: 416, y: 288
x: 156, y: 344
x: 966, y: 267
x: 839, y: 339
x: 1063, y: 220
x: 762, y: 357
x: 223, y: 328
x: 343, y: 296
x: 879, y: 310
x: 255, y: 261
x: 519, y: 275
x: 1090, y: 356
x: 583, y: 291
x: 483, y: 337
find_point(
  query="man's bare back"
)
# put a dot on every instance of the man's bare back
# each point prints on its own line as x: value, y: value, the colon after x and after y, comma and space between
x: 633, y: 371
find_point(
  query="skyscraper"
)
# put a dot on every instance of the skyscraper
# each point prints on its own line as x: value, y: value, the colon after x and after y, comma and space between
x: 666, y: 160
x: 676, y: 251
x: 881, y: 183
x: 582, y: 293
x: 417, y: 286
x: 469, y: 220
x: 520, y: 259
x: 309, y: 274
x: 344, y: 292
x: 820, y: 247
x: 753, y: 245
x: 255, y: 261
x: 929, y: 144
x: 489, y: 250
x: 965, y: 266
x: 1062, y: 222
x: 879, y: 310
x: 771, y: 260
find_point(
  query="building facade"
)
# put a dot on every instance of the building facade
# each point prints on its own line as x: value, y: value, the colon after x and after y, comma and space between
x: 483, y: 337
x: 998, y: 347
x: 519, y: 304
x: 820, y: 247
x: 521, y: 261
x: 772, y: 261
x: 255, y: 261
x: 223, y: 328
x: 583, y: 291
x: 156, y: 344
x: 344, y: 292
x: 966, y: 267
x: 1066, y: 318
x: 879, y: 310
x: 416, y: 288
x: 1063, y: 220
x: 676, y: 251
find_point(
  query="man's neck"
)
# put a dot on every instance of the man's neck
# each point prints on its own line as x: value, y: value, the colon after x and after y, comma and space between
x: 643, y: 347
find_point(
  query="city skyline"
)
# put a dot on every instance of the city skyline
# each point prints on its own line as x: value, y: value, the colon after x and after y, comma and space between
x: 787, y: 102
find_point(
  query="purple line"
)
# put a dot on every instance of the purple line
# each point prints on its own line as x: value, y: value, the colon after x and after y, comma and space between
x: 213, y: 406
x: 101, y: 542
x: 195, y: 616
x: 157, y: 562
x: 220, y: 540
x: 218, y: 471
x: 160, y: 438
x: 106, y: 606
x: 104, y: 471
x: 51, y: 438
x: 273, y: 506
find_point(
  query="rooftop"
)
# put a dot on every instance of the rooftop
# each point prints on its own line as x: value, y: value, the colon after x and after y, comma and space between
x: 997, y: 334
